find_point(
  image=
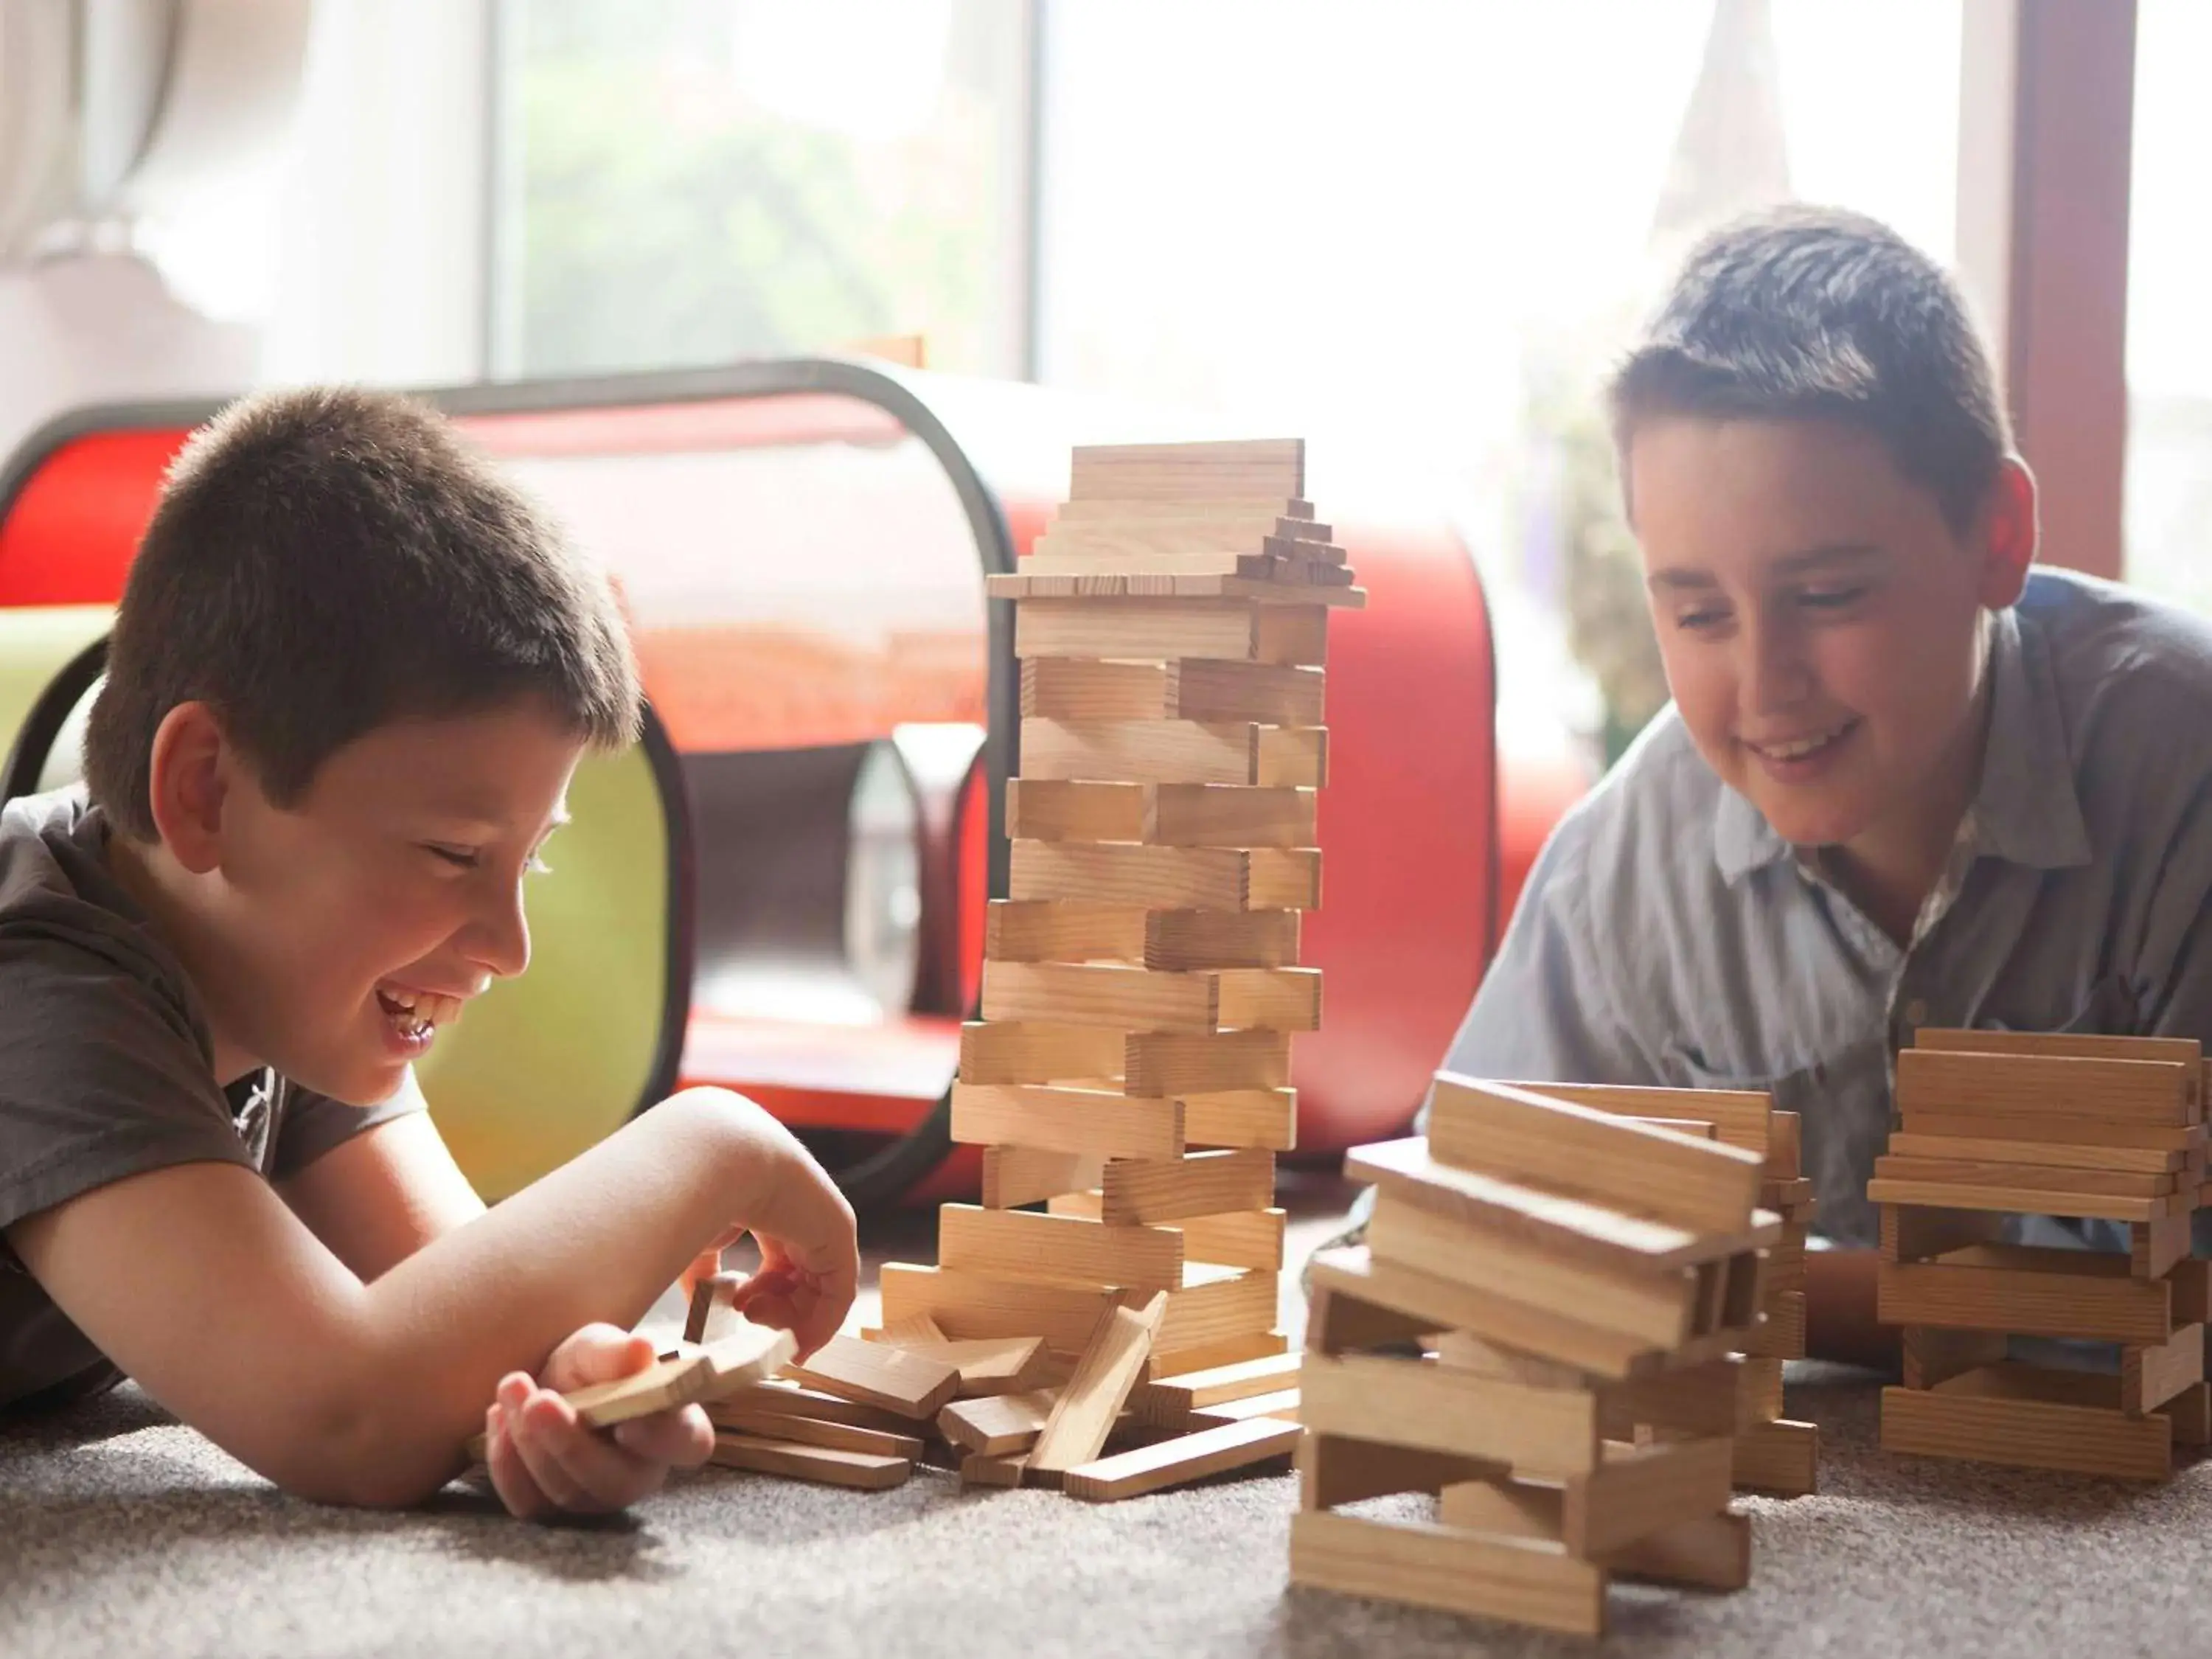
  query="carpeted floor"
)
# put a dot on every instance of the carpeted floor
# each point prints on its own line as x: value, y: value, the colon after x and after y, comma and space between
x: 121, y: 1533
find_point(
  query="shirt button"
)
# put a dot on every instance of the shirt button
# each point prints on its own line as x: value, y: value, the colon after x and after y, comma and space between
x: 1916, y: 1012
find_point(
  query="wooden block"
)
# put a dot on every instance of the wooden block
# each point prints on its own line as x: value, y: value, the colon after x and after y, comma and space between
x: 1759, y: 1391
x: 1782, y: 1457
x: 763, y: 1424
x: 1502, y: 1507
x: 1167, y: 878
x: 1567, y: 1227
x: 2025, y: 1433
x: 1913, y: 1234
x: 1022, y: 1244
x: 1340, y: 1321
x: 1443, y: 1304
x: 713, y: 1314
x: 972, y: 1305
x: 1652, y: 1308
x: 1044, y: 808
x: 2190, y: 1413
x: 1781, y: 1336
x: 1263, y: 693
x: 916, y: 1330
x: 2142, y: 1160
x: 1092, y: 1122
x: 1014, y: 1176
x: 1003, y: 1052
x: 750, y: 1353
x: 1174, y: 752
x: 1710, y: 1552
x: 1168, y: 1399
x: 1644, y: 1491
x: 826, y: 1465
x: 1742, y: 1117
x: 1245, y: 1119
x: 1188, y: 471
x: 1220, y: 815
x: 2152, y: 1375
x: 1214, y: 1305
x: 1578, y: 1151
x: 1712, y: 1398
x: 1131, y: 997
x: 978, y: 1470
x: 2185, y: 1051
x: 1335, y: 1469
x: 2191, y: 1279
x: 1931, y: 1356
x: 880, y: 1375
x: 2010, y: 1200
x: 1072, y: 689
x: 1435, y: 1566
x: 1222, y: 1351
x: 2158, y: 1246
x: 1082, y: 511
x: 1282, y: 1405
x: 1075, y: 1431
x: 1201, y: 1184
x: 1166, y: 1063
x: 777, y: 1398
x: 2031, y: 1291
x: 995, y: 1425
x: 1220, y: 939
x: 1159, y: 629
x: 1251, y: 1238
x: 2048, y: 1131
x: 1413, y: 1402
x: 1974, y: 1172
x: 1785, y: 1156
x: 1191, y: 1457
x: 2162, y: 1093
x: 990, y: 1366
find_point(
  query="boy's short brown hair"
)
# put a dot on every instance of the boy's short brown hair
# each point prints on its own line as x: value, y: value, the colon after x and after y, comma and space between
x: 1814, y: 312
x: 325, y: 562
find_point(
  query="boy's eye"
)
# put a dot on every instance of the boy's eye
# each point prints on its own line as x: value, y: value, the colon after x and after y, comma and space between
x: 1698, y: 621
x: 461, y: 858
x: 1830, y: 598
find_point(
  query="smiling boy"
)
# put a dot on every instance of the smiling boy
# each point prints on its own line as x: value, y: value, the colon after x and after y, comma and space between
x: 351, y: 675
x: 1905, y: 780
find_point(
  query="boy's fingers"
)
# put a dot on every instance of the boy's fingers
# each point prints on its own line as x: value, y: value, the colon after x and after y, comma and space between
x: 597, y: 1353
x: 596, y: 1473
x: 509, y: 1479
x: 683, y: 1438
x: 539, y: 1439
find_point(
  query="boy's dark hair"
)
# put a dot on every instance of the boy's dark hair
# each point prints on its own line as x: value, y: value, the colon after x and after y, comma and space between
x: 325, y: 562
x: 1803, y: 313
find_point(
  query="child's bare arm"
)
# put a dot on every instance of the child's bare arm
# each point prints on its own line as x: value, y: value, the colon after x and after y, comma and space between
x: 200, y: 1283
x: 377, y: 1199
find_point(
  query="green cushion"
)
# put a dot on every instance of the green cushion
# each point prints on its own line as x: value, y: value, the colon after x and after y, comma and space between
x: 36, y: 642
x: 544, y: 1066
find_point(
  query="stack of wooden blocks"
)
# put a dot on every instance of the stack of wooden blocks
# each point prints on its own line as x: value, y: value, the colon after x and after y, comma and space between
x: 1996, y: 1123
x: 1140, y: 983
x: 1545, y: 1329
x: 1772, y: 1453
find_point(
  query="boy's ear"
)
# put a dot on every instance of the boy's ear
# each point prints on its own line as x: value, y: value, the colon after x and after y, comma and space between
x: 2009, y: 534
x: 191, y: 775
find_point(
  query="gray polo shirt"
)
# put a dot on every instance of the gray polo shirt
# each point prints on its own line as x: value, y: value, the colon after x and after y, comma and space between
x: 1667, y: 936
x: 107, y: 1070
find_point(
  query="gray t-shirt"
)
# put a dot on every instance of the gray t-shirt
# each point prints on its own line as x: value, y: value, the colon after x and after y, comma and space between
x: 107, y: 1070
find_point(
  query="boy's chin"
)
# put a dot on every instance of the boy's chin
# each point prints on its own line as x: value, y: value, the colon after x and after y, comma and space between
x: 1811, y: 823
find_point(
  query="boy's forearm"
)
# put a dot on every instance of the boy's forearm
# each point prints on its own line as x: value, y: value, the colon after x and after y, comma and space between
x: 1839, y: 1309
x: 599, y: 1238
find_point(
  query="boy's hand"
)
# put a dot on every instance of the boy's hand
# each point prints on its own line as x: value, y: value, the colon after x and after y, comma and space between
x: 545, y: 1460
x: 809, y: 1270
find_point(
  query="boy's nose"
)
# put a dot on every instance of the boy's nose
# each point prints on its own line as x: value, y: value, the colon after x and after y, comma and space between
x: 1774, y: 674
x: 499, y: 939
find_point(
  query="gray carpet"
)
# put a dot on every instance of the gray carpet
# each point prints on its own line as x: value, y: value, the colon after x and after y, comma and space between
x: 121, y: 1533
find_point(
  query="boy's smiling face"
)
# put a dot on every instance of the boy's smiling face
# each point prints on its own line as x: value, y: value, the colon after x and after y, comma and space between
x: 395, y: 880
x: 1819, y: 621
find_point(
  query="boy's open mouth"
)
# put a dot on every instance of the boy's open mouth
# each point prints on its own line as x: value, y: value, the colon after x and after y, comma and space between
x: 1804, y: 747
x: 416, y: 1014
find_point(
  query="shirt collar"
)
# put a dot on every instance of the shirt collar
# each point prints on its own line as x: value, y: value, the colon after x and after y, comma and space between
x: 2026, y: 811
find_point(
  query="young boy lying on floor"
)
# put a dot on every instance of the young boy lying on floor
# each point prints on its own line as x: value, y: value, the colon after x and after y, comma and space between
x: 1906, y: 781
x: 350, y: 677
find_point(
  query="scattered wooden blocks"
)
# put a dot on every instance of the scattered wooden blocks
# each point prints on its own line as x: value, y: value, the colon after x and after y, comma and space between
x: 1131, y: 1068
x: 2056, y: 1125
x: 1546, y: 1331
x: 910, y: 1384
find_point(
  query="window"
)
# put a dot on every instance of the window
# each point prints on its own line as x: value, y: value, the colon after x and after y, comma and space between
x: 683, y: 182
x: 2169, y: 466
x: 1425, y: 230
